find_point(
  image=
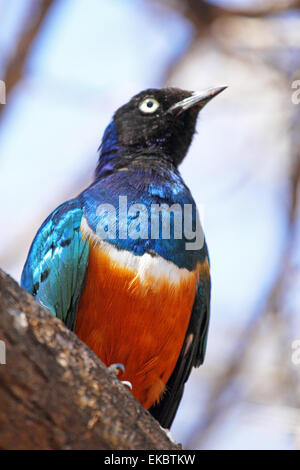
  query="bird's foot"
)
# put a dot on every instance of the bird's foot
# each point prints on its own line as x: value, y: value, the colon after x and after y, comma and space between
x: 116, y: 369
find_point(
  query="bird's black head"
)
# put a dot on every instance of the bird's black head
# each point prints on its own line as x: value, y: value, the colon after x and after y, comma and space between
x: 157, y: 121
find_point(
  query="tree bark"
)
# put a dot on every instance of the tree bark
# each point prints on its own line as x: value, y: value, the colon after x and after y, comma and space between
x: 55, y: 393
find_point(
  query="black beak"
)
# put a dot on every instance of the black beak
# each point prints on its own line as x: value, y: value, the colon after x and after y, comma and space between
x: 197, y: 99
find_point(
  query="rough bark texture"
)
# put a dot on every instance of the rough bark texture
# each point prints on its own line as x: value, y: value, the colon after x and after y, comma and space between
x: 55, y: 393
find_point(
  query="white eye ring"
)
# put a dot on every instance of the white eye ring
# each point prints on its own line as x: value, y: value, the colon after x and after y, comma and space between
x: 149, y: 105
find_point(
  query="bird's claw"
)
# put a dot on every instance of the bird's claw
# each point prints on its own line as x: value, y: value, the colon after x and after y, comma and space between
x: 116, y: 368
x: 127, y: 384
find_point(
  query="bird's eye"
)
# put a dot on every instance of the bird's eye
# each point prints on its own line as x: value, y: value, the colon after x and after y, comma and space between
x: 149, y: 105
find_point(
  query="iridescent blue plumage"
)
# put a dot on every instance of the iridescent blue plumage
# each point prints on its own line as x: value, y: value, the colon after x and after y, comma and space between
x: 57, y: 261
x: 110, y: 151
x: 148, y: 184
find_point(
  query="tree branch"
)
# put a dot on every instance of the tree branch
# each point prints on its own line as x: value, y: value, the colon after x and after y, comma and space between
x: 55, y: 393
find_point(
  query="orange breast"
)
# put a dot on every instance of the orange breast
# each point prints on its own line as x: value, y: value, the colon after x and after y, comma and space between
x: 137, y: 320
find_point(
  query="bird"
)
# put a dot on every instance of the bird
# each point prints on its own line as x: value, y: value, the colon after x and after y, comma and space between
x: 120, y: 264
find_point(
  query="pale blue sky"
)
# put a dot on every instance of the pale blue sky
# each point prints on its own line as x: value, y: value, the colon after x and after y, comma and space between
x: 87, y: 62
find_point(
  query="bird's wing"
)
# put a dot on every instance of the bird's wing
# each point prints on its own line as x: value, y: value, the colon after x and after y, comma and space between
x: 56, y: 265
x: 192, y: 354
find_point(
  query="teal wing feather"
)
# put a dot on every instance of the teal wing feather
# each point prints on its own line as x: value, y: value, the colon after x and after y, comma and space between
x: 55, y: 268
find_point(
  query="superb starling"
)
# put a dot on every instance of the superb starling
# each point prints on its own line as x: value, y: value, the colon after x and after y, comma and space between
x: 125, y: 264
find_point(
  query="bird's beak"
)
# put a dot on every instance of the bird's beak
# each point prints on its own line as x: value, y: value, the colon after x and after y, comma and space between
x: 197, y: 99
